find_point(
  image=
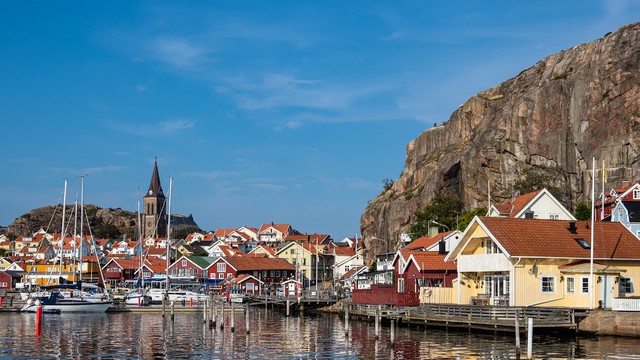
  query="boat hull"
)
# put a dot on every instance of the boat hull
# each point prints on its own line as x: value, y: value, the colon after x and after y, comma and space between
x: 71, y: 307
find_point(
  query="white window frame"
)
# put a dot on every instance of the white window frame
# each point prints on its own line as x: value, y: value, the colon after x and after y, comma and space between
x: 184, y: 262
x: 554, y: 216
x: 572, y: 280
x: 221, y: 276
x: 582, y: 285
x: 551, y: 282
x: 636, y: 194
x: 222, y: 267
x: 630, y: 284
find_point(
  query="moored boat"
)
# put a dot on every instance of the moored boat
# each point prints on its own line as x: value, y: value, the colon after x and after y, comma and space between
x: 57, y: 302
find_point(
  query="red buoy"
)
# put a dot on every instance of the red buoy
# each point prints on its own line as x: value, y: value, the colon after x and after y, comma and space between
x: 38, y: 320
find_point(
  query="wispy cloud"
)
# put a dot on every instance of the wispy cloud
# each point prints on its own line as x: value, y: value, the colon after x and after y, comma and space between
x: 180, y: 52
x: 152, y: 130
x: 89, y: 171
x: 396, y: 35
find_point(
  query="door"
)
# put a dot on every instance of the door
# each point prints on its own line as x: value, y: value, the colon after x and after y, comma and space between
x: 606, y: 291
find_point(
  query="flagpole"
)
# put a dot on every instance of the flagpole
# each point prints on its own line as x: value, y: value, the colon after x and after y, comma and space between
x: 593, y: 210
x: 603, y: 195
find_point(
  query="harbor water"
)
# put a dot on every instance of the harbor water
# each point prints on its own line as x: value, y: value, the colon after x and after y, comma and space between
x: 272, y: 335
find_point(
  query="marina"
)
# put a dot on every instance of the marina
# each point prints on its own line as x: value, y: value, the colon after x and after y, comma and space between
x: 148, y: 335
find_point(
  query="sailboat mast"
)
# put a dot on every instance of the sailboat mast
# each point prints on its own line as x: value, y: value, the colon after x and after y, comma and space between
x: 73, y: 242
x: 139, y: 237
x: 593, y: 214
x: 64, y: 205
x: 81, y: 222
x: 168, y: 234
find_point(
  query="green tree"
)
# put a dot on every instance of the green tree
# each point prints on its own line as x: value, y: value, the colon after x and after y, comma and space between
x: 467, y: 216
x: 538, y: 178
x: 442, y: 209
x: 583, y: 211
x: 107, y: 231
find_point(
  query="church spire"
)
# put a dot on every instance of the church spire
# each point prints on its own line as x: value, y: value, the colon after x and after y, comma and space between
x: 155, y: 188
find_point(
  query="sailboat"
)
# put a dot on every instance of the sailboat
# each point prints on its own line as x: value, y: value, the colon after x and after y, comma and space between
x: 138, y: 296
x: 53, y: 299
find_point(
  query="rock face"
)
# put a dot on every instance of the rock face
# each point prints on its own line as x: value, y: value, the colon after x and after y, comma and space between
x: 103, y: 221
x: 581, y: 103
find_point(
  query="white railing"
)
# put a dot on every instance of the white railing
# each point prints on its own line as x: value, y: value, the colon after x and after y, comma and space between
x: 625, y: 304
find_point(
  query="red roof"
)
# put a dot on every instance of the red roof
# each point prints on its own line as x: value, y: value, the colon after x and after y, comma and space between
x: 426, y: 241
x: 431, y: 260
x: 250, y: 263
x: 283, y: 228
x: 223, y: 232
x: 553, y: 238
x: 513, y: 206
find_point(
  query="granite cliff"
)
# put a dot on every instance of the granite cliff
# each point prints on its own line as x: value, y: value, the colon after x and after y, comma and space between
x: 554, y: 117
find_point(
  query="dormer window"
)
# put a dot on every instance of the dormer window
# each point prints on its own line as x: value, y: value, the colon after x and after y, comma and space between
x: 583, y: 243
x: 636, y: 194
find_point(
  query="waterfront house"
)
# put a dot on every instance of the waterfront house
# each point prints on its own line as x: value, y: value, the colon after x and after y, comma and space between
x: 627, y: 209
x: 539, y: 204
x: 4, y: 264
x: 6, y: 245
x: 269, y: 271
x: 117, y: 271
x: 529, y: 262
x: 6, y: 281
x: 345, y: 260
x: 426, y: 273
x: 190, y: 267
x: 244, y: 284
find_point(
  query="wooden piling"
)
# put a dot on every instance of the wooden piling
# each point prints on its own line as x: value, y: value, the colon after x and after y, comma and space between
x: 376, y: 320
x: 530, y: 338
x: 222, y: 316
x: 517, y: 325
x: 346, y: 319
x: 287, y: 308
x: 233, y: 326
x: 246, y: 318
x: 172, y: 310
x: 204, y: 311
x: 393, y: 335
x: 212, y: 316
x: 164, y: 304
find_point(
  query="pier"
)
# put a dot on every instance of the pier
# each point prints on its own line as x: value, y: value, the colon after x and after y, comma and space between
x: 488, y: 318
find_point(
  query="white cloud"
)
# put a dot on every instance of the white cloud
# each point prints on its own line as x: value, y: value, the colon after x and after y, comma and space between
x: 179, y: 52
x: 152, y: 130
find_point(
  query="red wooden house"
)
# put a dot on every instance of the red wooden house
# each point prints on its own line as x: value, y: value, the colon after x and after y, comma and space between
x: 192, y: 267
x: 269, y: 271
x: 243, y: 284
x: 118, y: 270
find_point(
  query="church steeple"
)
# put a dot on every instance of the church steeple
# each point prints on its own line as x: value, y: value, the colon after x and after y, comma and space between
x: 155, y: 188
x: 155, y: 213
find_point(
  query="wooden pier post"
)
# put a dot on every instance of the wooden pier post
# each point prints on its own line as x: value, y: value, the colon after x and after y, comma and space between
x: 246, y: 318
x: 204, y: 311
x: 517, y: 324
x: 530, y: 338
x: 376, y: 320
x: 287, y: 307
x: 346, y: 319
x: 222, y: 316
x: 212, y: 316
x: 393, y: 335
x: 233, y: 316
x: 172, y: 310
x: 164, y: 304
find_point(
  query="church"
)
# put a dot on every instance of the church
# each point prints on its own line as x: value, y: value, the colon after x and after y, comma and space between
x: 154, y: 215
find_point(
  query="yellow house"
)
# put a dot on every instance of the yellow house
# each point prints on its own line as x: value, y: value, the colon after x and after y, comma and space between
x: 534, y: 262
x: 313, y: 262
x: 46, y: 274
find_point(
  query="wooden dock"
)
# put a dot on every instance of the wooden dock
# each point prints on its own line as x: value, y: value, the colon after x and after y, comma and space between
x: 490, y: 318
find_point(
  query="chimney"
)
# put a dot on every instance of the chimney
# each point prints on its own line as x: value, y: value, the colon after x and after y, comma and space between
x: 572, y: 227
x: 442, y: 248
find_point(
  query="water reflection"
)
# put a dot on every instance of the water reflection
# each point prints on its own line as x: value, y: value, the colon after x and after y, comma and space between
x: 271, y: 336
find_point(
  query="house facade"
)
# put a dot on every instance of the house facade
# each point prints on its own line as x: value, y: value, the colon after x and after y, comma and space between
x: 539, y: 204
x: 530, y: 262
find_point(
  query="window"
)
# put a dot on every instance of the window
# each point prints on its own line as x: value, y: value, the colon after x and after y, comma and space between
x: 3, y: 285
x: 491, y: 247
x: 249, y: 287
x: 277, y: 273
x: 571, y: 285
x: 221, y: 276
x: 184, y: 262
x: 222, y: 267
x: 548, y: 284
x: 272, y: 273
x: 584, y: 243
x: 554, y: 217
x: 584, y: 288
x: 625, y: 285
x: 264, y: 273
x: 636, y: 194
x: 255, y: 273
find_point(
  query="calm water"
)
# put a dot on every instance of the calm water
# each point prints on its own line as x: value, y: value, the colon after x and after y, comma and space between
x: 272, y: 336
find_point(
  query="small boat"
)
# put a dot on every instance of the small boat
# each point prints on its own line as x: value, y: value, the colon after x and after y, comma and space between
x: 175, y: 295
x: 137, y: 297
x: 57, y: 302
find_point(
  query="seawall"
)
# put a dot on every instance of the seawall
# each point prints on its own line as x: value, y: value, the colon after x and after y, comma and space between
x: 618, y: 323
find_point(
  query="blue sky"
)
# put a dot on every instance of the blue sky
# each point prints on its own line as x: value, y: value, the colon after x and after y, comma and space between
x: 287, y: 111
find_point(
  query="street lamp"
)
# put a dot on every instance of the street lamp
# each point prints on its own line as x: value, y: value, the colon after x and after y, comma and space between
x: 437, y: 223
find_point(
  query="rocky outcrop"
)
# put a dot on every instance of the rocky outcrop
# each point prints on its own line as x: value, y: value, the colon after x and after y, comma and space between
x: 601, y: 322
x: 103, y: 221
x: 581, y: 103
